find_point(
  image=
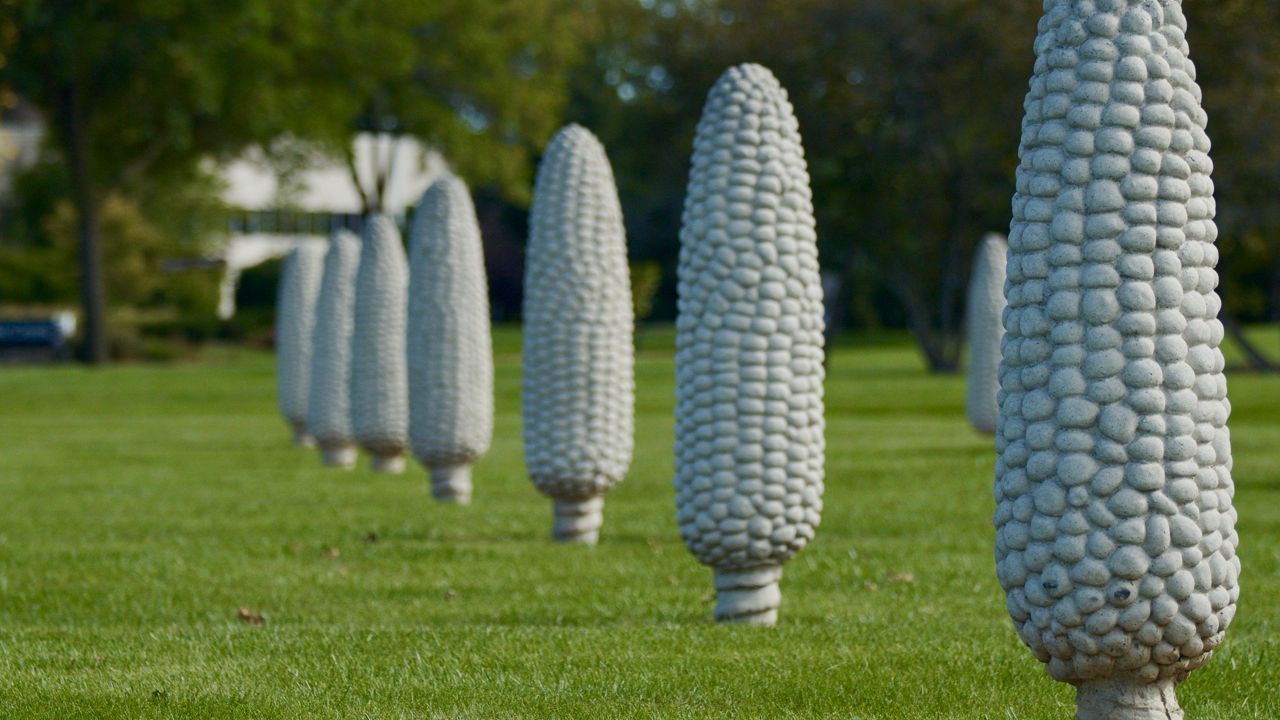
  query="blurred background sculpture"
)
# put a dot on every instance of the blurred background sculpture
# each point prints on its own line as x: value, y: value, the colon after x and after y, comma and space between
x: 329, y: 406
x: 1116, y: 540
x: 295, y: 320
x: 578, y: 392
x: 449, y: 345
x: 749, y: 347
x: 984, y: 332
x: 379, y: 381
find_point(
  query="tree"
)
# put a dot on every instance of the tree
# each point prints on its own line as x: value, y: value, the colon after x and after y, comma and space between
x: 137, y: 92
x: 910, y: 114
x: 484, y: 82
x: 1237, y: 54
x: 140, y: 90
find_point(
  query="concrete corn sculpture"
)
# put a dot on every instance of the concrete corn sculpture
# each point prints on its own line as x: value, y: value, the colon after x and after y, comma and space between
x: 984, y: 332
x: 749, y: 347
x: 295, y: 320
x: 379, y: 373
x: 329, y: 406
x: 450, y: 350
x: 579, y: 386
x: 1116, y: 540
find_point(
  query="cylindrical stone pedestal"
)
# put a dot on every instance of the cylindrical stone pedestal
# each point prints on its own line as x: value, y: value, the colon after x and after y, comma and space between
x: 338, y: 456
x: 578, y: 520
x: 748, y: 596
x: 451, y: 483
x: 301, y: 437
x: 389, y: 463
x: 1127, y: 699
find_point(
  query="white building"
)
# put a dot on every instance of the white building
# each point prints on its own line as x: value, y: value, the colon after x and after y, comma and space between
x: 317, y: 201
x: 269, y: 216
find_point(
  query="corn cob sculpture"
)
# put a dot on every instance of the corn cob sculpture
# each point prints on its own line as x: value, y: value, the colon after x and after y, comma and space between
x: 450, y: 350
x: 295, y: 320
x: 749, y: 347
x: 329, y: 406
x: 579, y: 386
x: 379, y: 373
x: 984, y: 332
x: 1116, y: 540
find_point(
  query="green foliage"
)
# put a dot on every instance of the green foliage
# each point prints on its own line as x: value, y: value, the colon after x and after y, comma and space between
x: 137, y: 92
x: 38, y: 260
x: 8, y: 38
x: 255, y: 318
x: 908, y: 171
x: 910, y: 113
x: 646, y: 278
x: 144, y: 506
x: 484, y: 82
x: 162, y: 83
x: 148, y: 300
x: 33, y: 276
x: 131, y: 246
x: 32, y: 270
x: 40, y: 266
x: 1236, y: 47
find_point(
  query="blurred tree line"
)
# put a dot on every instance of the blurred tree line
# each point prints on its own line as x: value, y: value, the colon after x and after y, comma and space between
x: 910, y: 112
x: 142, y: 99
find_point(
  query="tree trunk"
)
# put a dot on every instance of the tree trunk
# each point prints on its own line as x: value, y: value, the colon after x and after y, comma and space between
x: 382, y: 164
x: 93, y: 290
x: 383, y: 169
x: 941, y: 351
x: 949, y: 316
x: 954, y: 272
x: 354, y: 172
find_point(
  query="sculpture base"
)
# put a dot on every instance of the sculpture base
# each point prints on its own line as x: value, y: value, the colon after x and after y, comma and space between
x: 338, y: 456
x: 578, y: 520
x: 451, y: 484
x: 749, y: 597
x: 388, y: 463
x: 1127, y: 699
x: 301, y: 437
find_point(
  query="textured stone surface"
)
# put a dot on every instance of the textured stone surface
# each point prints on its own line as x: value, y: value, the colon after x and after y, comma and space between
x: 295, y: 321
x: 379, y: 375
x: 449, y: 344
x: 984, y: 332
x: 579, y: 387
x: 749, y: 410
x: 1116, y: 540
x: 578, y: 520
x: 329, y: 407
x: 1124, y: 699
x: 749, y: 596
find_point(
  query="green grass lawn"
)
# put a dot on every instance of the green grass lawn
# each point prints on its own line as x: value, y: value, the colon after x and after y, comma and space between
x: 141, y: 506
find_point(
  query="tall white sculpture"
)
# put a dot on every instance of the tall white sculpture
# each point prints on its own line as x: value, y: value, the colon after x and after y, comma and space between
x: 379, y: 374
x: 578, y: 350
x: 450, y: 349
x: 329, y: 406
x: 749, y: 408
x: 984, y: 331
x: 295, y: 319
x: 1116, y: 540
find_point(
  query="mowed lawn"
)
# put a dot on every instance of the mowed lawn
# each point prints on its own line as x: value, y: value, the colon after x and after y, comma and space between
x: 142, y: 506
